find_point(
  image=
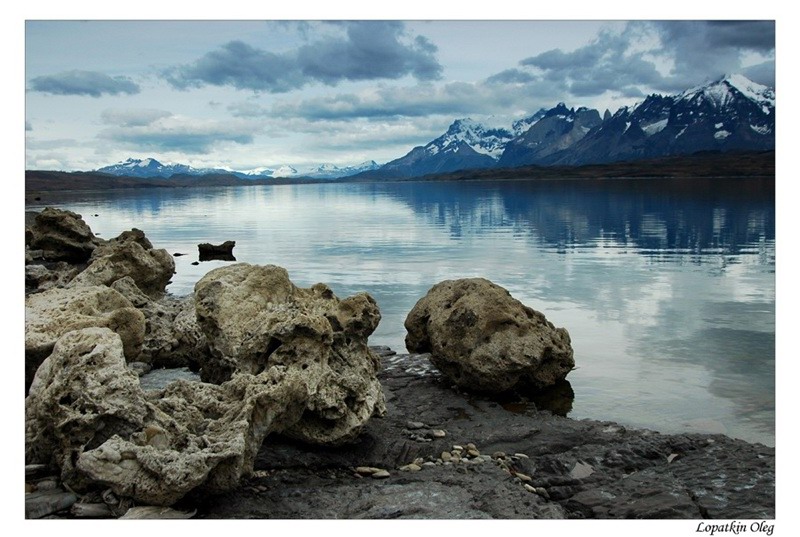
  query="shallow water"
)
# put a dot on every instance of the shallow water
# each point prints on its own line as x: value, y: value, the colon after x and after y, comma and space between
x: 667, y: 287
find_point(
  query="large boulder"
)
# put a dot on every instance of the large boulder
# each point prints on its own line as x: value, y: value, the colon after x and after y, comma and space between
x: 256, y: 319
x: 52, y: 313
x: 61, y: 235
x: 87, y: 413
x: 485, y: 340
x: 130, y: 254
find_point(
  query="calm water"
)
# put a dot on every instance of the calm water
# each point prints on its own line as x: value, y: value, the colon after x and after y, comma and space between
x: 666, y: 287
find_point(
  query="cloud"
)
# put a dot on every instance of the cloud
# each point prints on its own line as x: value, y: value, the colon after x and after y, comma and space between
x: 89, y: 83
x: 704, y: 50
x: 369, y: 50
x: 133, y: 117
x: 28, y: 126
x: 169, y: 132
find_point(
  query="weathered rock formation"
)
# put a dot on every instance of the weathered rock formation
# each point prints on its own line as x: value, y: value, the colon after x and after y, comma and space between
x: 61, y: 236
x: 485, y: 340
x: 130, y: 254
x: 87, y: 413
x: 52, y: 313
x: 255, y: 319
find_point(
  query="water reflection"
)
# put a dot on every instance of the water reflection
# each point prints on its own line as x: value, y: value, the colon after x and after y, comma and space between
x: 666, y: 287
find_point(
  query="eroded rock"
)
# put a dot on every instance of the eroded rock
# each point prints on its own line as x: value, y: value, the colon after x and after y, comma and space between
x: 87, y: 413
x: 255, y: 318
x: 130, y: 254
x: 52, y: 313
x: 485, y: 340
x: 61, y: 235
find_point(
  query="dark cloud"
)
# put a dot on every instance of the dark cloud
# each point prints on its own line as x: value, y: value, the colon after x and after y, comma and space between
x: 370, y: 50
x: 763, y: 73
x: 28, y: 126
x: 90, y: 83
x: 604, y: 64
x: 705, y: 50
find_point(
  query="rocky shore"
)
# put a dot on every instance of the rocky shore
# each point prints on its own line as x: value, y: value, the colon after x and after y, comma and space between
x: 253, y: 398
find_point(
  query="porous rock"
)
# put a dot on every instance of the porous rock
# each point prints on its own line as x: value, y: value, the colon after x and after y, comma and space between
x: 129, y: 254
x: 52, y: 313
x: 61, y: 235
x: 485, y: 340
x: 255, y: 319
x: 172, y: 336
x: 87, y: 413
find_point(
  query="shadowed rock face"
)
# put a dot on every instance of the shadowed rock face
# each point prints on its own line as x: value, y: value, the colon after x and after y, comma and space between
x: 484, y: 340
x: 255, y: 319
x: 62, y: 236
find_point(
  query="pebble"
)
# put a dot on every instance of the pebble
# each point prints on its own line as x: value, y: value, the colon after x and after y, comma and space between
x: 410, y: 468
x: 91, y: 510
x: 381, y: 474
x: 529, y: 488
x: 367, y: 470
x: 543, y: 493
x: 458, y: 448
x: 418, y: 461
x: 46, y: 484
x: 29, y: 487
x: 439, y: 433
x: 35, y: 469
x: 415, y: 425
x: 479, y: 460
x: 446, y: 456
x: 521, y: 455
x: 473, y: 452
x: 429, y: 464
x: 498, y: 455
x: 524, y: 478
x: 471, y: 446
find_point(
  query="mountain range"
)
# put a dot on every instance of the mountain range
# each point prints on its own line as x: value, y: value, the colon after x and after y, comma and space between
x: 729, y: 114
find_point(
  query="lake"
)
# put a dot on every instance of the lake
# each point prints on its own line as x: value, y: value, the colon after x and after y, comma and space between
x: 667, y: 287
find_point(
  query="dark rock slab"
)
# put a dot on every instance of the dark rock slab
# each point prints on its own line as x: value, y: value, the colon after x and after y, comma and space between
x: 48, y: 502
x: 576, y: 468
x: 217, y: 252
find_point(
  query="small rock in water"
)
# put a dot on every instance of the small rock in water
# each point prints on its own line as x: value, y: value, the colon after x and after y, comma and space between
x: 381, y: 474
x: 195, y: 262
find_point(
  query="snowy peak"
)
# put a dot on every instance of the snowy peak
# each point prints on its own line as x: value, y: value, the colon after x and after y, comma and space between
x: 479, y: 138
x: 730, y: 89
x: 521, y: 125
x: 332, y: 171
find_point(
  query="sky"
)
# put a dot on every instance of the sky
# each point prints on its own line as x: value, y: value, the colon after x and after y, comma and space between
x: 250, y: 94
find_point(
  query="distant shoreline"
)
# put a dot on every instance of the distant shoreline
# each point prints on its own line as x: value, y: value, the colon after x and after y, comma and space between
x: 705, y: 166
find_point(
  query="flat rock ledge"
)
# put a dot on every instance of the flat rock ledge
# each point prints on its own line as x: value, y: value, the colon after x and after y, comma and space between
x: 440, y: 453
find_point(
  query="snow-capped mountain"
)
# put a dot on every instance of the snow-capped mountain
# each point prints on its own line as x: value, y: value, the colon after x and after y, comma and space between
x: 547, y: 133
x: 331, y: 171
x: 733, y: 113
x: 150, y: 167
x: 466, y: 144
